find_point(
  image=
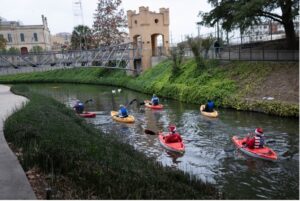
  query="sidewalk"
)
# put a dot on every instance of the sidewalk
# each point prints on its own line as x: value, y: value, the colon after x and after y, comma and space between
x: 13, y: 181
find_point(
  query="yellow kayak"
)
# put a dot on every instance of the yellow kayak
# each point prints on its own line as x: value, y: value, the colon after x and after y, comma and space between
x: 208, y: 114
x: 129, y: 119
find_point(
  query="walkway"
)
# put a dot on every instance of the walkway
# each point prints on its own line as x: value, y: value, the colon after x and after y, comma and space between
x: 13, y: 181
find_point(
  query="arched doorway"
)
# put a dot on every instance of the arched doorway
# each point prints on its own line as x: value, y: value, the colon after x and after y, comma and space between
x: 157, y: 43
x: 24, y: 50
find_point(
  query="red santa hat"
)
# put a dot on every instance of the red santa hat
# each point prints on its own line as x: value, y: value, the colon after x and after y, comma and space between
x: 259, y: 131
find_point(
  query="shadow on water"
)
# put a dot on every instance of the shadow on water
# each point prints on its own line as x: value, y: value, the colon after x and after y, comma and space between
x: 210, y: 153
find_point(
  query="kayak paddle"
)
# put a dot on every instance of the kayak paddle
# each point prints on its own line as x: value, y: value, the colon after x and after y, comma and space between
x: 150, y: 132
x: 90, y: 100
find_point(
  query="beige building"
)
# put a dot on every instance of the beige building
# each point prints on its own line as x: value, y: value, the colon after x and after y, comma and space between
x: 25, y: 37
x: 144, y: 29
x: 61, y: 41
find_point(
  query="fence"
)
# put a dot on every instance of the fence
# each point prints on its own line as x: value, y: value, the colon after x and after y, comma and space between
x: 244, y: 54
x: 252, y: 54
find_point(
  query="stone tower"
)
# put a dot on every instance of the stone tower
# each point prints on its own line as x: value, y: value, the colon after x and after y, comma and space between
x: 144, y: 28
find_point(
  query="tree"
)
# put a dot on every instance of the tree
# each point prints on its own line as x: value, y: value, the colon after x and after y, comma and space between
x: 82, y: 38
x: 196, y: 47
x: 245, y: 13
x: 36, y: 49
x: 109, y: 20
x: 13, y: 50
x: 206, y: 43
x: 177, y: 54
x: 2, y: 42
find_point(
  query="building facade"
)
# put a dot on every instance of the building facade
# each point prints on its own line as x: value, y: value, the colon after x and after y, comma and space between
x: 25, y: 37
x: 61, y: 41
x: 269, y: 30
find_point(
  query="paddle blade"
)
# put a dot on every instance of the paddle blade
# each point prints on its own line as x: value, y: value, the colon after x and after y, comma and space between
x: 88, y: 101
x: 132, y: 101
x: 149, y: 132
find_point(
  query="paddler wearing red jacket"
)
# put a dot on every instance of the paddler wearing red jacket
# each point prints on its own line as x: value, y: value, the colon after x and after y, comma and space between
x: 255, y: 141
x: 173, y: 135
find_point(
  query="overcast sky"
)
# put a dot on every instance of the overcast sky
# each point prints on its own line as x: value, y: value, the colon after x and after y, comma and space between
x: 61, y: 13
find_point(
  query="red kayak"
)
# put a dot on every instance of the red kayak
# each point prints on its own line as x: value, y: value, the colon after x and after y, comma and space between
x: 157, y: 107
x: 262, y: 153
x: 88, y: 115
x: 173, y: 146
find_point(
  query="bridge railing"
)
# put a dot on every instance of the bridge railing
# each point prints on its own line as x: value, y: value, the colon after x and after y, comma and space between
x: 110, y: 56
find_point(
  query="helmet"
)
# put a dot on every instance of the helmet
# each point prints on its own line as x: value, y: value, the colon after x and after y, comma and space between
x: 154, y: 95
x: 259, y: 131
x: 121, y: 105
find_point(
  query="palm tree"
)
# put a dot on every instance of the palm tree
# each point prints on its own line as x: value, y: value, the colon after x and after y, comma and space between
x: 81, y: 38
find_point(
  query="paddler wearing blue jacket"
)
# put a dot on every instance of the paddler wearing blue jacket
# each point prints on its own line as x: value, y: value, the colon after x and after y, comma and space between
x: 155, y: 100
x: 79, y: 107
x: 123, y: 111
x: 209, y: 107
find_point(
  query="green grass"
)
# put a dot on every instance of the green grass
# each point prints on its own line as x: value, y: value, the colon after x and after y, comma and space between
x: 228, y: 85
x: 57, y: 141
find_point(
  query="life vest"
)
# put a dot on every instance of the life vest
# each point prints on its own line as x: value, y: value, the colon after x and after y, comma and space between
x: 210, y: 105
x: 155, y: 101
x: 259, y: 142
x: 123, y: 112
x: 79, y: 107
x: 173, y: 138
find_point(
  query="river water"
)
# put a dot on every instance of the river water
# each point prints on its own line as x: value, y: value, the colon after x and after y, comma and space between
x: 210, y: 154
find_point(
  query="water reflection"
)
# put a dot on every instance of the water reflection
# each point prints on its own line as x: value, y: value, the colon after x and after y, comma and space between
x: 210, y: 154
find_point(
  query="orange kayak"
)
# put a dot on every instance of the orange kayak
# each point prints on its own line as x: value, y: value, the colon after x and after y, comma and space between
x: 262, y: 153
x: 129, y: 119
x: 208, y: 114
x: 158, y: 107
x: 173, y: 146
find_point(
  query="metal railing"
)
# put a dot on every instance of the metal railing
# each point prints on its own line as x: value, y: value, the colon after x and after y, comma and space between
x: 249, y: 54
x: 118, y: 56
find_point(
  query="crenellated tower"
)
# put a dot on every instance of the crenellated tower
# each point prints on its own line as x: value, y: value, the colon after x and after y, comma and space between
x: 144, y: 28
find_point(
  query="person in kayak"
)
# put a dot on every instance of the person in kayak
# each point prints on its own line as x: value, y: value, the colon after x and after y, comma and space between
x: 255, y: 140
x: 209, y: 107
x: 123, y: 113
x: 173, y: 135
x: 79, y: 107
x: 154, y: 100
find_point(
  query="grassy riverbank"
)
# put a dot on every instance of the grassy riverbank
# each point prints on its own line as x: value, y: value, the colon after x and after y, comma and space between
x: 238, y: 85
x: 89, y: 164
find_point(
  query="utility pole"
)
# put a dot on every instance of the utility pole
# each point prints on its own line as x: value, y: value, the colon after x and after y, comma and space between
x: 218, y: 24
x: 78, y: 11
x: 198, y: 26
x: 271, y: 28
